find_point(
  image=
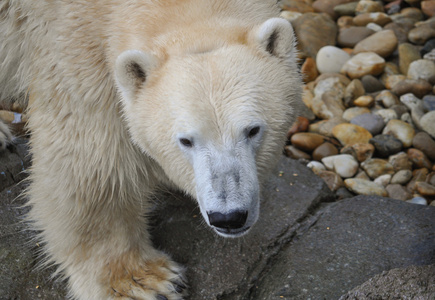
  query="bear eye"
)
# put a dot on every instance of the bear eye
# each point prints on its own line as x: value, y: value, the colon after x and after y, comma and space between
x: 186, y: 142
x: 253, y: 132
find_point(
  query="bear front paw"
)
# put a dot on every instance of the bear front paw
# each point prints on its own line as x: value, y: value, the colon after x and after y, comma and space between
x: 158, y: 279
x: 5, y: 135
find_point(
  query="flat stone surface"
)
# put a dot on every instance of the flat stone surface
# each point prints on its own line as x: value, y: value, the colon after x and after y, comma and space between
x: 302, y: 246
x: 227, y: 268
x: 347, y: 243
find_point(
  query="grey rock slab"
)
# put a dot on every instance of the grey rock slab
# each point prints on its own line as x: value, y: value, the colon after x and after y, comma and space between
x: 347, y: 243
x: 215, y: 267
x: 414, y: 282
x: 20, y: 278
x: 220, y: 268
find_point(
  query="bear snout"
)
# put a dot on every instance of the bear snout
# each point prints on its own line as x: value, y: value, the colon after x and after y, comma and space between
x: 225, y: 223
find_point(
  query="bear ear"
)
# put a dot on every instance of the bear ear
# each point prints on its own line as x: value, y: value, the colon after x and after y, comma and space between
x: 131, y: 71
x: 276, y: 36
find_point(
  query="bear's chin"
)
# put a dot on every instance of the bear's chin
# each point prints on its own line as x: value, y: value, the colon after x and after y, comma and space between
x: 231, y: 233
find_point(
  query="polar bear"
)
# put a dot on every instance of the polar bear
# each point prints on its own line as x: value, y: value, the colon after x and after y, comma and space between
x: 126, y: 95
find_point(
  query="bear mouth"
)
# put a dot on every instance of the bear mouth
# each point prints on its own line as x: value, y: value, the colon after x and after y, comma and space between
x: 228, y: 232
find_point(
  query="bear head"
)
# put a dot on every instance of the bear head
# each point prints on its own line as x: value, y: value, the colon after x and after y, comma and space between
x: 214, y: 116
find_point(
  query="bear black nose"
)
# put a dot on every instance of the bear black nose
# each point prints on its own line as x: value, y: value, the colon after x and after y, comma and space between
x: 232, y: 220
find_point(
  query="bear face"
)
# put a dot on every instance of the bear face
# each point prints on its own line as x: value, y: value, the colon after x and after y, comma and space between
x: 215, y: 119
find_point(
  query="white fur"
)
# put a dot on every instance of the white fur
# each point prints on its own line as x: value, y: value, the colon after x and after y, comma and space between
x: 101, y: 142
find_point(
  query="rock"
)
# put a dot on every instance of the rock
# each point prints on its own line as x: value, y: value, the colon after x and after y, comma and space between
x: 430, y: 56
x: 423, y: 142
x: 407, y: 54
x: 353, y: 90
x: 418, y: 87
x: 343, y: 193
x: 300, y: 125
x: 295, y: 153
x: 316, y: 167
x: 397, y: 191
x: 422, y: 33
x: 365, y: 187
x: 324, y: 150
x: 313, y: 32
x: 349, y: 134
x: 341, y: 78
x: 401, y: 30
x: 428, y: 8
x: 360, y: 151
x: 400, y: 161
x: 332, y: 180
x: 327, y: 6
x: 401, y: 130
x: 371, y: 84
x: 344, y: 165
x: 415, y: 105
x: 427, y: 123
x: 368, y: 6
x: 350, y: 242
x: 296, y: 6
x: 325, y: 127
x: 309, y: 70
x: 377, y: 17
x: 387, y: 99
x: 331, y: 59
x: 345, y: 9
x: 401, y: 177
x: 349, y: 37
x: 327, y: 106
x: 400, y: 110
x: 363, y: 64
x: 386, y: 145
x: 373, y: 123
x: 413, y: 282
x: 425, y: 189
x: 375, y: 167
x: 418, y: 159
x: 364, y: 101
x: 429, y: 102
x: 418, y: 175
x: 391, y: 81
x: 382, y: 43
x: 411, y: 13
x: 386, y: 114
x: 421, y: 69
x: 332, y: 85
x: 307, y: 141
x: 418, y: 200
x: 374, y: 27
x: 344, y: 22
x: 383, y: 180
x: 290, y: 16
x: 428, y: 47
x: 353, y: 112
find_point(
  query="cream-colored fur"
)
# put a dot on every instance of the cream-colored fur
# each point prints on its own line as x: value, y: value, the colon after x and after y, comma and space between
x: 129, y: 94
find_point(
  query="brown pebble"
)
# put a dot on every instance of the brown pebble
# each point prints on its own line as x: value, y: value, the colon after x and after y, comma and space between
x: 300, y: 125
x: 397, y: 191
x: 349, y: 134
x: 423, y: 142
x: 418, y: 159
x: 425, y: 189
x: 324, y: 150
x: 309, y: 70
x: 361, y: 151
x: 332, y: 180
x: 417, y: 175
x: 307, y: 141
x: 295, y: 153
